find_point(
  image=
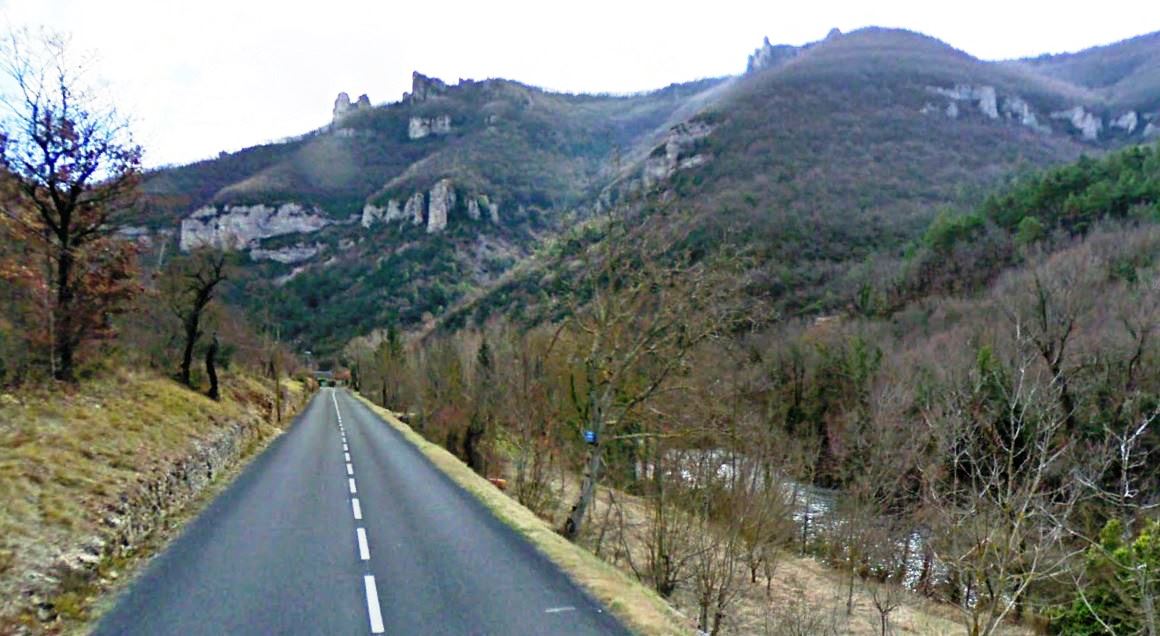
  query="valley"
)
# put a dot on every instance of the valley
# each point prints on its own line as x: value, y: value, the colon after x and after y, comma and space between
x: 861, y: 340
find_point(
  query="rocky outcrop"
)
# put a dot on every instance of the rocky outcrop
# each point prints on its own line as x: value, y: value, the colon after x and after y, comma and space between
x: 424, y: 88
x: 1088, y: 124
x: 420, y: 127
x: 373, y: 213
x: 985, y: 97
x: 439, y: 207
x: 477, y: 205
x: 240, y: 226
x: 343, y: 108
x: 432, y: 209
x: 1127, y: 122
x: 1013, y: 107
x: 1018, y: 108
x: 287, y: 255
x: 1151, y: 130
x: 770, y: 56
x: 676, y: 153
x: 414, y: 208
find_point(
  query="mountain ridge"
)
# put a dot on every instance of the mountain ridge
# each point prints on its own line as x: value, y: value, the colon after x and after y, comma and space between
x: 874, y: 128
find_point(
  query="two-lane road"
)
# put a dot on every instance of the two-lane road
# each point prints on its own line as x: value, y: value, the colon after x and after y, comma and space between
x: 343, y: 527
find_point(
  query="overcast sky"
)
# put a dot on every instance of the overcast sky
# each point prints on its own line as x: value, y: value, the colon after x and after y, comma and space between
x: 201, y: 76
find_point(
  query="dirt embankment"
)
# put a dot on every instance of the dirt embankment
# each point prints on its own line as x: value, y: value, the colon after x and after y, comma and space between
x: 94, y: 479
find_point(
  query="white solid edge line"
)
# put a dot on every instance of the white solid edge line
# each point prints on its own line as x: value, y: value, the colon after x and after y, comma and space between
x: 349, y: 469
x: 364, y: 551
x: 376, y: 614
x: 357, y: 507
x: 353, y: 489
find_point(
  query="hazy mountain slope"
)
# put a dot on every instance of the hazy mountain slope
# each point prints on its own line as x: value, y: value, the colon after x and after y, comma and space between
x: 822, y: 157
x: 500, y: 133
x: 393, y: 212
x: 836, y: 155
x: 1125, y: 73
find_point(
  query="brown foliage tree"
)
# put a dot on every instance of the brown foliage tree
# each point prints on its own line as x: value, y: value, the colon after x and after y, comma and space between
x: 74, y: 164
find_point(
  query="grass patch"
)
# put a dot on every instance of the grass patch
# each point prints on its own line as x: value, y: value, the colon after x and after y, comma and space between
x: 638, y: 607
x: 67, y: 457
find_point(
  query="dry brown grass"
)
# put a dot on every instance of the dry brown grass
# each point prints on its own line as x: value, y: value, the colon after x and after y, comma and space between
x: 804, y: 596
x: 68, y: 455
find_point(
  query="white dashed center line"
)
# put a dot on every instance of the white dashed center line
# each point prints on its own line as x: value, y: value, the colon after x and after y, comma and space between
x: 364, y: 551
x: 373, y: 604
x: 374, y: 610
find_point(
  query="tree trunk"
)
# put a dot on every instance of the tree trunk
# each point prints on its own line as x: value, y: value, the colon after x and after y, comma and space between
x: 211, y: 368
x: 63, y: 338
x: 587, y: 492
x: 471, y: 442
x: 191, y: 336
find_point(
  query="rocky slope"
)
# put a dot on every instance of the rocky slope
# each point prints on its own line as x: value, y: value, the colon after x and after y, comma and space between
x: 819, y: 155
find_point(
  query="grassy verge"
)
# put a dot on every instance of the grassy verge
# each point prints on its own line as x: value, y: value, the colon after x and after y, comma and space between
x: 78, y: 467
x: 638, y: 607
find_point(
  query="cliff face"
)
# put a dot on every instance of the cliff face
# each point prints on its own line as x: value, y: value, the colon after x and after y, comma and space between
x: 420, y: 127
x: 433, y: 209
x: 343, y: 108
x: 242, y: 226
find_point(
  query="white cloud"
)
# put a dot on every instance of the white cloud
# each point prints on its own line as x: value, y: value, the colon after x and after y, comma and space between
x: 204, y: 76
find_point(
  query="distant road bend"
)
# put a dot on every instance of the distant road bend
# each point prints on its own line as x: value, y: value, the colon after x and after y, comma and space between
x: 342, y: 527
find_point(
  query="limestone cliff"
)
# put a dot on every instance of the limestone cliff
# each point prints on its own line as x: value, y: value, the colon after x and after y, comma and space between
x: 769, y: 56
x: 985, y: 97
x: 1088, y: 124
x: 676, y: 153
x: 441, y: 201
x: 432, y: 209
x: 242, y: 226
x: 343, y: 108
x: 420, y: 127
x: 287, y: 255
x: 423, y: 88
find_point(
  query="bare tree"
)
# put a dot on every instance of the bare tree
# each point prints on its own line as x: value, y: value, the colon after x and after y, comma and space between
x: 1123, y: 482
x: 75, y: 164
x: 998, y: 504
x: 188, y: 285
x: 638, y: 314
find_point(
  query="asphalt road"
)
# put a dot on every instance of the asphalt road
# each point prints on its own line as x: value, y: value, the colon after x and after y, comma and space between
x: 343, y: 527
